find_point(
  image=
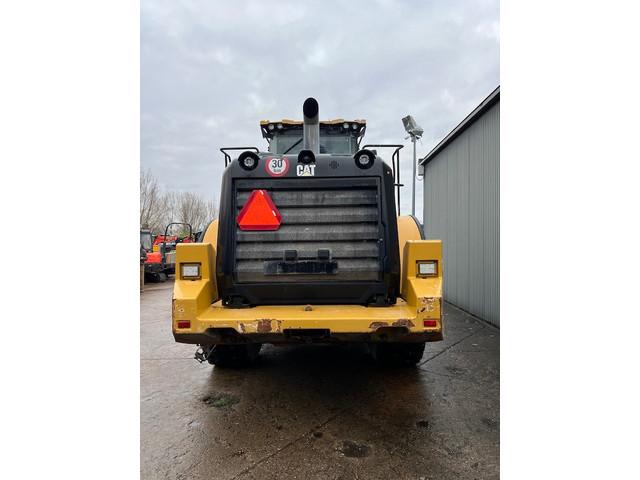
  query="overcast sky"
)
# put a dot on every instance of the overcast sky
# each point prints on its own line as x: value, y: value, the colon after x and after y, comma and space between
x: 210, y: 71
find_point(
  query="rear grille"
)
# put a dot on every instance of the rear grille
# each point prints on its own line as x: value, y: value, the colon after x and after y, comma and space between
x: 346, y: 222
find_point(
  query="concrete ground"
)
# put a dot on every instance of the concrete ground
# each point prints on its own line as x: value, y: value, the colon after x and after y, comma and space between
x: 319, y: 412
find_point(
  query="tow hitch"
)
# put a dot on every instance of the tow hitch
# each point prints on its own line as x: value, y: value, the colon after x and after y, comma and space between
x: 201, y: 355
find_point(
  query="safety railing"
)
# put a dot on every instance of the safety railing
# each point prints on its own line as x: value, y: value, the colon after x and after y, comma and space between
x: 227, y: 157
x: 395, y: 165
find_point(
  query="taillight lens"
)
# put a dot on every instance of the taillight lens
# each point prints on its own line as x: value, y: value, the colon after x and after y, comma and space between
x: 190, y: 271
x: 428, y: 268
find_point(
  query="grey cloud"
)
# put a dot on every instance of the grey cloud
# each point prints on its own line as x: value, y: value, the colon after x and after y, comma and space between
x: 211, y: 70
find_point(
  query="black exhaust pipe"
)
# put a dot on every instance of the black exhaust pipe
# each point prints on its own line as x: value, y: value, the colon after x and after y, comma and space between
x: 311, y: 127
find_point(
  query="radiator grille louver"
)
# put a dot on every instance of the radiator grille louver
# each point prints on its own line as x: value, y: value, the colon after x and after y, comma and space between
x: 345, y: 222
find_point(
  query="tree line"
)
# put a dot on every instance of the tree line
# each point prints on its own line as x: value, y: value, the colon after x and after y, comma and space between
x: 159, y: 208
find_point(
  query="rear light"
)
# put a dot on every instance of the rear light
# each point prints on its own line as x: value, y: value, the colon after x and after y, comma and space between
x: 259, y: 213
x: 431, y: 323
x: 249, y: 160
x: 190, y: 271
x: 306, y: 157
x: 364, y: 159
x: 427, y: 268
x: 184, y: 323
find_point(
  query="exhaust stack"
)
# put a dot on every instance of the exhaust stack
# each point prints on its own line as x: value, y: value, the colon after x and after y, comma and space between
x: 311, y: 127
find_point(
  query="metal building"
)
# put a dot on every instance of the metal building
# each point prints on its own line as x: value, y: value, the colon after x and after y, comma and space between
x: 462, y: 208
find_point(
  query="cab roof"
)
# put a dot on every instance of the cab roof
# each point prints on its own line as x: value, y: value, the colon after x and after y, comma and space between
x: 269, y: 127
x: 335, y: 121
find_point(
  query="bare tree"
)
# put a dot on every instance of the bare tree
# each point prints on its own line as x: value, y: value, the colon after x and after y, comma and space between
x: 158, y: 209
x: 196, y: 211
x: 171, y: 204
x: 152, y: 202
x: 211, y: 212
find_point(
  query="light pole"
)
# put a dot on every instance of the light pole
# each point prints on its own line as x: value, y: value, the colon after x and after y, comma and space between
x: 415, y: 132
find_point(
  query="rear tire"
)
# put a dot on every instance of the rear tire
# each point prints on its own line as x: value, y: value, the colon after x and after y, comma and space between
x: 234, y: 356
x: 398, y: 354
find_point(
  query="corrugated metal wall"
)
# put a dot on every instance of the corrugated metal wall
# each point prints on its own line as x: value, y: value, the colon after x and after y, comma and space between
x: 462, y: 208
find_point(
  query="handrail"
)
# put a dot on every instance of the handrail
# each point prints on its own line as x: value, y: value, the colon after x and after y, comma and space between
x: 395, y: 164
x: 227, y: 157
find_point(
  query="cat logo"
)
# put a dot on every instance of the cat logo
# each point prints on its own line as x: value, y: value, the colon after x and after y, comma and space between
x: 306, y: 170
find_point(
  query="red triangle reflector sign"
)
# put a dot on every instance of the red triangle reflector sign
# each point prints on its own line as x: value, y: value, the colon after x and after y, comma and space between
x: 259, y: 213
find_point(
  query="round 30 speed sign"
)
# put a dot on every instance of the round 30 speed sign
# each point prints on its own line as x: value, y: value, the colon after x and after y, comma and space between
x: 277, y: 167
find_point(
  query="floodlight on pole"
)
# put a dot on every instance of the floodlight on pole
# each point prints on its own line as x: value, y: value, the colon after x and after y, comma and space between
x: 415, y: 132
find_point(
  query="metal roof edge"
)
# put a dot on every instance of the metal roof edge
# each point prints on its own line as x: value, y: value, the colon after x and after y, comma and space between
x: 485, y: 105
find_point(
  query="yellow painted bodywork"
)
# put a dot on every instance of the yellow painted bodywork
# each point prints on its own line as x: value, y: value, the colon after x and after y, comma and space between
x: 423, y: 293
x: 407, y: 230
x: 421, y: 298
x: 211, y: 235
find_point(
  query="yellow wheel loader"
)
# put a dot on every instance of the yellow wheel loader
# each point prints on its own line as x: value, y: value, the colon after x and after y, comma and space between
x: 309, y: 247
